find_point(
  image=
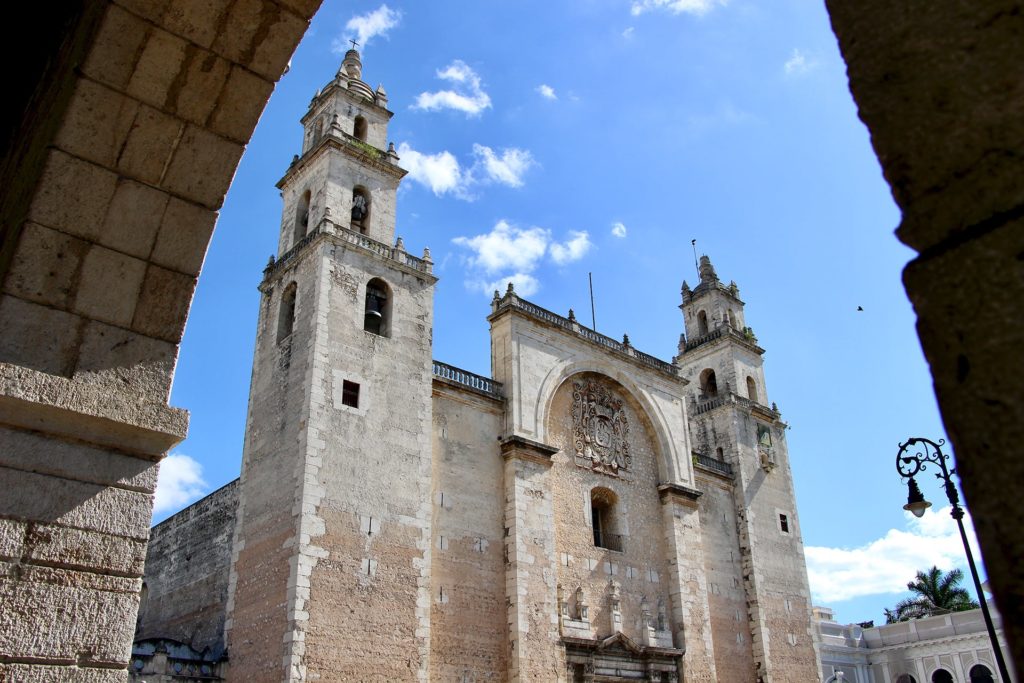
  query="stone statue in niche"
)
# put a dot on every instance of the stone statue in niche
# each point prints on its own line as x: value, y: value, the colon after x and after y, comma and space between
x: 600, y: 427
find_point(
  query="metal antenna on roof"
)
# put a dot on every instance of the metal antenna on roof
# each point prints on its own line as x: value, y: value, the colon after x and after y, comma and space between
x: 693, y: 243
x: 593, y: 318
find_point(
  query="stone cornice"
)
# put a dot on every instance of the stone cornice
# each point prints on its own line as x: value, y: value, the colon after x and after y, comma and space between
x: 679, y: 493
x: 364, y: 153
x: 527, y: 449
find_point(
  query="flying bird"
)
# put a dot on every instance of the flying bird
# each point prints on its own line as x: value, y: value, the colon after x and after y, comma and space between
x: 860, y: 308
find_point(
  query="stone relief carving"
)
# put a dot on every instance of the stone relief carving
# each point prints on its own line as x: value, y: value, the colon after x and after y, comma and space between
x: 600, y: 427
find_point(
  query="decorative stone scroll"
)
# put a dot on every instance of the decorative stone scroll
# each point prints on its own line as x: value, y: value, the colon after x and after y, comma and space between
x: 600, y: 428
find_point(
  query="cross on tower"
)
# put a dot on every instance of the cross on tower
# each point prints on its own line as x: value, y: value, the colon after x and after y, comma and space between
x: 354, y: 43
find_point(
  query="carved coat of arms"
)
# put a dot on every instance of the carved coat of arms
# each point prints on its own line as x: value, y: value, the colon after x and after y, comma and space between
x: 600, y: 427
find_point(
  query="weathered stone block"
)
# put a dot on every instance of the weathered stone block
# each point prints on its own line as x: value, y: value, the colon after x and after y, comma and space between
x: 183, y: 237
x: 12, y: 538
x: 109, y: 286
x: 151, y: 141
x: 60, y: 622
x: 202, y: 167
x: 162, y: 58
x: 45, y: 266
x: 34, y: 452
x: 38, y: 337
x: 97, y: 123
x: 40, y: 673
x: 194, y: 94
x: 195, y: 20
x: 115, y: 50
x: 242, y: 101
x: 134, y: 214
x: 116, y: 359
x: 79, y: 504
x: 152, y: 10
x: 261, y: 36
x: 58, y: 546
x: 73, y: 195
x: 164, y: 303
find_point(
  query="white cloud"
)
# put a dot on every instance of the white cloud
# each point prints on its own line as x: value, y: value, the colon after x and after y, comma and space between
x: 180, y: 482
x: 507, y: 246
x: 573, y: 250
x: 885, y: 565
x: 507, y: 169
x: 364, y: 27
x: 798, y: 64
x: 546, y: 91
x: 467, y: 96
x: 440, y: 172
x: 619, y: 229
x: 628, y: 33
x: 443, y: 173
x: 697, y: 7
x: 524, y: 284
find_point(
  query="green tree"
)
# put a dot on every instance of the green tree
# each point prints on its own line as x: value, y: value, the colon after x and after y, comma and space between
x: 935, y: 592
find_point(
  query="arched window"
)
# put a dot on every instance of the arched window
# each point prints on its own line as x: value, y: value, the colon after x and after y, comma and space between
x: 286, y: 314
x: 720, y: 453
x: 377, y: 313
x: 359, y: 129
x: 708, y: 383
x: 318, y: 131
x: 981, y: 674
x: 604, y: 519
x: 905, y: 678
x: 942, y: 676
x: 751, y: 388
x: 301, y: 217
x: 360, y: 209
x: 733, y: 322
x: 702, y: 323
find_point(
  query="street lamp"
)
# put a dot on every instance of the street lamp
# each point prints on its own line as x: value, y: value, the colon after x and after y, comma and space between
x: 908, y: 466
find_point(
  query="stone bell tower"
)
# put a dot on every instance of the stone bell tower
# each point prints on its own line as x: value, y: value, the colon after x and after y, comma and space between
x: 732, y: 420
x: 331, y: 559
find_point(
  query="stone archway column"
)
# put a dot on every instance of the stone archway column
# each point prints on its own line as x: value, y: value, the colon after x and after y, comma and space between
x: 118, y: 183
x: 940, y: 86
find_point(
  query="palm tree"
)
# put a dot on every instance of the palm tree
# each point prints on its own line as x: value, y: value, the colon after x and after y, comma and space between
x: 936, y: 592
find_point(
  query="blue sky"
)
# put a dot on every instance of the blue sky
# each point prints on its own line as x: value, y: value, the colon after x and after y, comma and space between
x: 549, y: 140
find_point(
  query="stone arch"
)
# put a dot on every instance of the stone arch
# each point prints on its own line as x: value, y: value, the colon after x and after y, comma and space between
x: 57, y: 178
x: 670, y: 467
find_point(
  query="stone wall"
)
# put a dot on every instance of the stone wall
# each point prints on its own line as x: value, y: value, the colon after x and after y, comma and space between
x: 467, y: 619
x: 185, y: 589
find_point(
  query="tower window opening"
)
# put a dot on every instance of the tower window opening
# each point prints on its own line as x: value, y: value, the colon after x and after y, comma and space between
x: 905, y: 678
x: 751, y: 388
x: 350, y: 394
x: 359, y: 129
x: 286, y: 314
x: 981, y: 674
x: 720, y: 453
x: 942, y: 676
x: 301, y: 217
x: 377, y: 313
x: 708, y: 383
x: 604, y: 520
x: 360, y: 209
x: 318, y: 131
x: 702, y: 323
x: 783, y: 523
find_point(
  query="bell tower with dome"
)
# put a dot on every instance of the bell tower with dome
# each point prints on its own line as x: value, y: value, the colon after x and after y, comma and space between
x: 334, y: 516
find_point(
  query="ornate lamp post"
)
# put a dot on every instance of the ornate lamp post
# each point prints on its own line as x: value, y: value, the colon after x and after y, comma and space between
x: 908, y: 465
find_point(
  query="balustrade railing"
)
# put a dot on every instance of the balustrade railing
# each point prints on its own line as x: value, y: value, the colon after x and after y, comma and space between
x: 536, y: 311
x: 713, y: 464
x: 466, y: 378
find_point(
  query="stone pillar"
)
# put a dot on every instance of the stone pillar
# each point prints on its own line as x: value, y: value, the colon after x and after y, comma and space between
x: 535, y: 649
x: 687, y: 584
x: 940, y: 92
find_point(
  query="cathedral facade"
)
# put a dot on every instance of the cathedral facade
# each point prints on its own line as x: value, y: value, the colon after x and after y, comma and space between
x: 587, y: 513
